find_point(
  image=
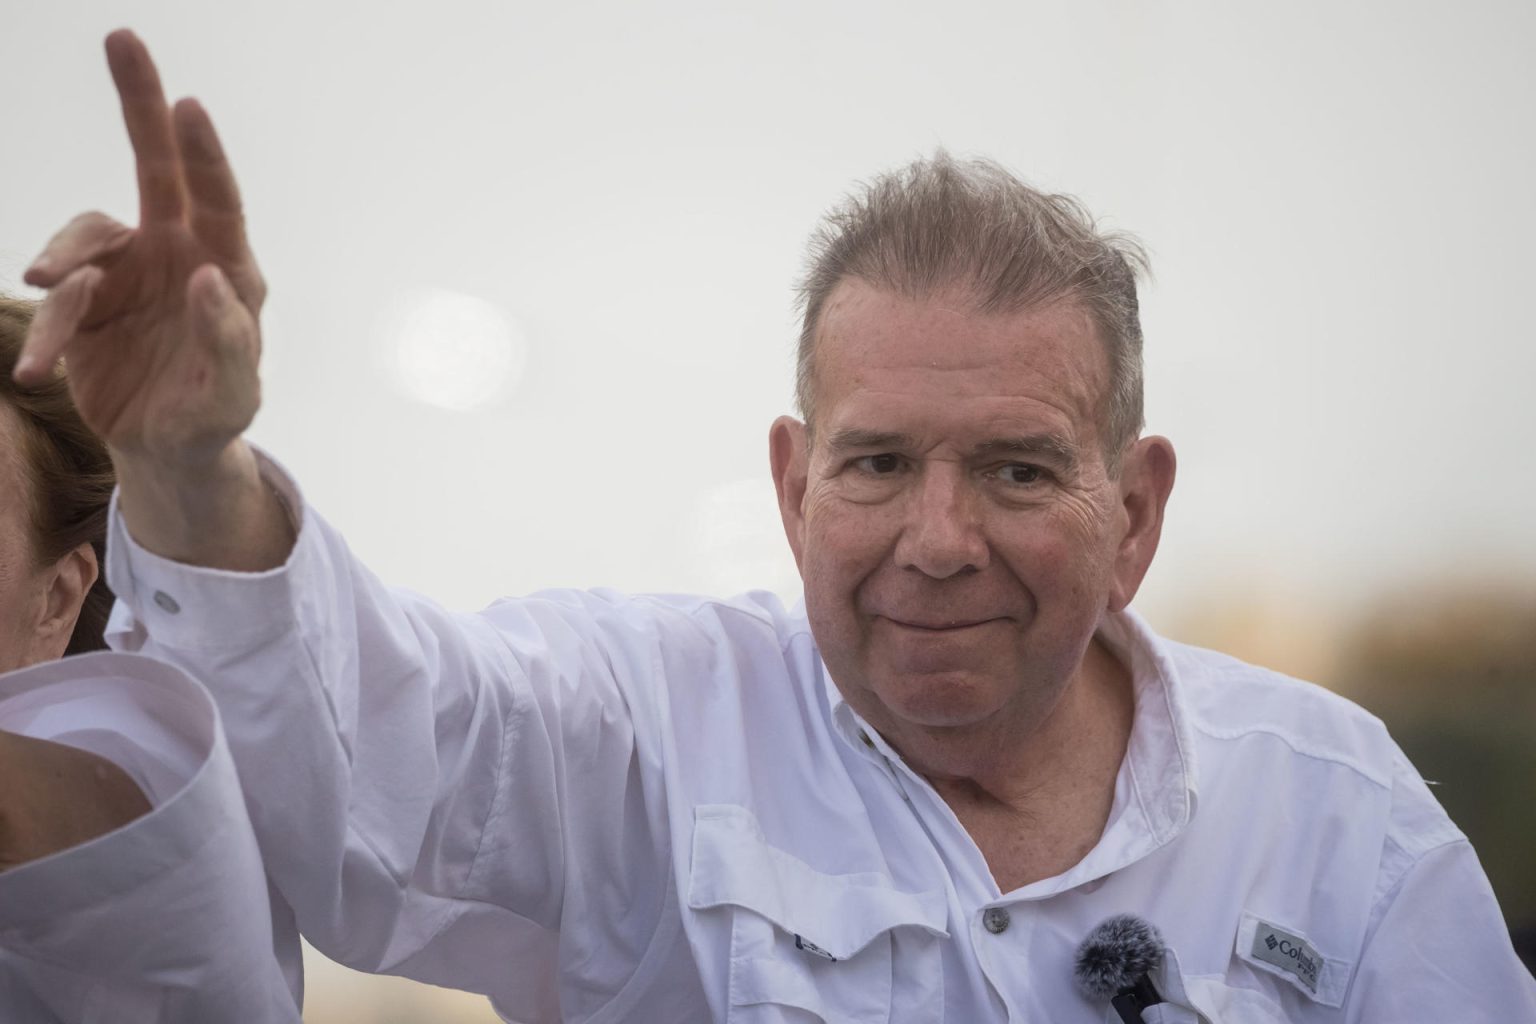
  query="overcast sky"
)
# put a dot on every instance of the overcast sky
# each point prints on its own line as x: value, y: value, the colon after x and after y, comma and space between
x: 531, y: 264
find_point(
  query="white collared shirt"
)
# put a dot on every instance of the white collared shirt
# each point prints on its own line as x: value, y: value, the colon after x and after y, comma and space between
x: 596, y: 807
x: 167, y: 919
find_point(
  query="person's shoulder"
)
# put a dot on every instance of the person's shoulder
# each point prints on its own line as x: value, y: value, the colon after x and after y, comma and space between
x: 677, y: 618
x: 758, y: 613
x: 1227, y: 699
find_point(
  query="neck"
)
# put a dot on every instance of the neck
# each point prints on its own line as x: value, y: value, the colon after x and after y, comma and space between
x: 1059, y: 768
x: 1036, y: 800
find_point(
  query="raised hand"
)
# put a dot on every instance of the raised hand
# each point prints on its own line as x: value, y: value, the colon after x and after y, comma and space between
x: 158, y: 324
x: 158, y: 328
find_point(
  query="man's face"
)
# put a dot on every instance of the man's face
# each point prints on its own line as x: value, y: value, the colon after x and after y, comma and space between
x: 958, y: 532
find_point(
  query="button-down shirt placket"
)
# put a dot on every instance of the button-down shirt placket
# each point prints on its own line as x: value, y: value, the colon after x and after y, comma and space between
x: 996, y: 925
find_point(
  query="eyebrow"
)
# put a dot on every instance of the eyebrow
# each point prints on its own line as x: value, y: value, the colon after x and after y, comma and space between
x: 1053, y: 447
x: 855, y: 438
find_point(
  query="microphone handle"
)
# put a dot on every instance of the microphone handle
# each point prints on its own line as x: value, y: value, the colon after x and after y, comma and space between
x: 1131, y: 1001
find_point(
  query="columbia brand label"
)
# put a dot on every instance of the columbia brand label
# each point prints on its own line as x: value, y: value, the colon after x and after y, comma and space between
x: 813, y: 949
x: 1288, y: 952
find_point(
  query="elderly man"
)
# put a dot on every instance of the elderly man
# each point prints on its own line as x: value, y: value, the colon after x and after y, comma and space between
x: 908, y: 800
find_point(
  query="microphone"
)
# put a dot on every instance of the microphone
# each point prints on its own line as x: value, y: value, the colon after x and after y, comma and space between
x: 1114, y: 962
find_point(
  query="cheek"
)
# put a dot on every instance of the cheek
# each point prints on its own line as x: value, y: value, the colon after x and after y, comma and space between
x: 1066, y: 553
x: 19, y: 577
x: 12, y: 580
x: 842, y: 544
x: 15, y: 618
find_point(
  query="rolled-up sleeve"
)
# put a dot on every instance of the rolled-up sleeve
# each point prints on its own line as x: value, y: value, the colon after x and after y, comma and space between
x: 167, y: 919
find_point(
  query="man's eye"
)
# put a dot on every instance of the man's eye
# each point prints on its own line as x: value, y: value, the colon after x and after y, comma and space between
x: 1020, y: 473
x: 878, y: 465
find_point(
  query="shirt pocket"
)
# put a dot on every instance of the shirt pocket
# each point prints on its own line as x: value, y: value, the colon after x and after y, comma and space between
x: 811, y: 946
x: 1202, y: 999
x: 1222, y: 1003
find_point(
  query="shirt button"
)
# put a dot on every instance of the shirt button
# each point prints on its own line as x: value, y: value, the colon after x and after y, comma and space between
x: 167, y: 602
x: 996, y: 920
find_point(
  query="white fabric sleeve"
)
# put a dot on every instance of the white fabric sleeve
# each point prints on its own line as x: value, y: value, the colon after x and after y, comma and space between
x: 428, y: 788
x: 166, y: 920
x: 1437, y: 948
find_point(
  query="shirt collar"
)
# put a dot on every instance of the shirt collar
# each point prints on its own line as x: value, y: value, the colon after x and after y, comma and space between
x: 1156, y: 787
x: 1159, y: 763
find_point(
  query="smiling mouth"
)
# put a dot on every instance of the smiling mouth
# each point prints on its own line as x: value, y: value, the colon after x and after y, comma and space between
x: 950, y: 626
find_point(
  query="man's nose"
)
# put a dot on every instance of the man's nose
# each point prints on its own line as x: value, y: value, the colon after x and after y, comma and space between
x: 942, y: 535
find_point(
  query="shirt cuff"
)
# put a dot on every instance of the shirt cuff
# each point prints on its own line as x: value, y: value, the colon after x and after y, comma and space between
x: 159, y: 726
x: 193, y: 607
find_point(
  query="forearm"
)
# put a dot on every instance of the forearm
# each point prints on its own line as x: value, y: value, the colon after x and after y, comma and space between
x: 408, y: 770
x: 218, y: 515
x: 344, y: 780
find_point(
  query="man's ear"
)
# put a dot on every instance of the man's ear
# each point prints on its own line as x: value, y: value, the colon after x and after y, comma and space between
x: 789, y: 457
x: 68, y: 581
x: 1146, y: 479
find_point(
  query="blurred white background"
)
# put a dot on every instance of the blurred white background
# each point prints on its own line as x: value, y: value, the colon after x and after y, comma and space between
x: 531, y: 264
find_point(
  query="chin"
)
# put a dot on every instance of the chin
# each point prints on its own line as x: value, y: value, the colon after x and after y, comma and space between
x: 939, y: 701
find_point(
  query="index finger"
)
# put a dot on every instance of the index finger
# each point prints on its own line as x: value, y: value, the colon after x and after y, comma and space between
x: 148, y: 118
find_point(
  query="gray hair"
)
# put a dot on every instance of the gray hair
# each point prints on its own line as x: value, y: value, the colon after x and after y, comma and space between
x: 940, y: 223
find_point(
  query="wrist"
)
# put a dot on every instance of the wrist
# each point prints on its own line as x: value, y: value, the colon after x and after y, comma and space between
x: 218, y: 513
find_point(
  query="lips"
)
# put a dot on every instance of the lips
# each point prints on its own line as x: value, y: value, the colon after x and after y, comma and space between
x: 938, y: 625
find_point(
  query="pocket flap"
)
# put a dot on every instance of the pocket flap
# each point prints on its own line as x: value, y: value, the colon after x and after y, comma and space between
x: 733, y: 864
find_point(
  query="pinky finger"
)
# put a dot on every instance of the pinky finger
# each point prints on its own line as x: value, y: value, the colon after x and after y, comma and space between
x: 55, y: 325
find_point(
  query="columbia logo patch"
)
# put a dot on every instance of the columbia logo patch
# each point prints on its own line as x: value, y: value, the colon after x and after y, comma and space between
x: 1291, y: 953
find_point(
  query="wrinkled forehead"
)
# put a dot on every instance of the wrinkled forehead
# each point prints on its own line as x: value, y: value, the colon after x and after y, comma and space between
x: 1052, y: 348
